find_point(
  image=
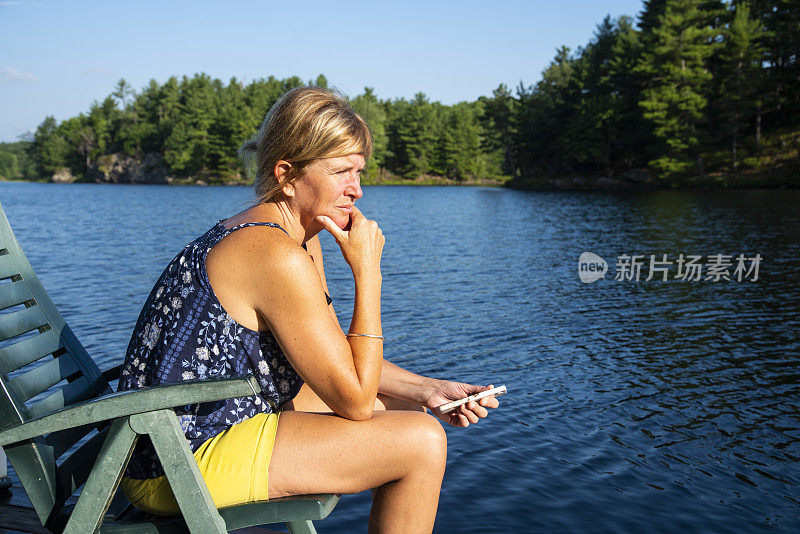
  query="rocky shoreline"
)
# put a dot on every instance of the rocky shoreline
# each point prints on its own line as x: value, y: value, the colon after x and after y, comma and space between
x: 152, y: 169
x: 121, y: 169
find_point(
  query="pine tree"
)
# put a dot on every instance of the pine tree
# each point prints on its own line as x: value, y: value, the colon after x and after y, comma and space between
x: 500, y: 113
x: 674, y: 100
x: 740, y: 76
x: 412, y: 138
x: 189, y: 143
x: 321, y: 81
x: 546, y: 110
x: 461, y: 150
x: 233, y: 124
x: 780, y: 93
x: 634, y: 134
x: 594, y: 130
x: 122, y: 91
x: 372, y: 111
x: 51, y: 147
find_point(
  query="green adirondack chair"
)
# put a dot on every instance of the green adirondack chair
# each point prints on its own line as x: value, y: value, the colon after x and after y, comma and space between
x: 63, y: 428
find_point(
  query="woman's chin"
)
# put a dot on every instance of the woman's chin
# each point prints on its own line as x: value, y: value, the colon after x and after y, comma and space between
x: 343, y: 222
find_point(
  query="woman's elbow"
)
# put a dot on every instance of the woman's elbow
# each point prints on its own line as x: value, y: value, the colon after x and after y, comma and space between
x: 364, y: 413
x: 360, y: 411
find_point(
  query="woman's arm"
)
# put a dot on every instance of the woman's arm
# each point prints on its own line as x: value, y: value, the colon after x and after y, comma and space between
x: 404, y: 385
x: 401, y: 384
x: 395, y: 381
x: 343, y: 372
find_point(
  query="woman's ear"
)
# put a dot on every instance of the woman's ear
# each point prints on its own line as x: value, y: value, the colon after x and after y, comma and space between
x: 282, y: 172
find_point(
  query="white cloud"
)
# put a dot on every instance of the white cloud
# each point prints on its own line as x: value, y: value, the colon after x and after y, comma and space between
x: 97, y: 71
x: 12, y: 75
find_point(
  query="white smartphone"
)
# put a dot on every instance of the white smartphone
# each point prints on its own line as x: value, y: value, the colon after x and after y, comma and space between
x: 450, y: 406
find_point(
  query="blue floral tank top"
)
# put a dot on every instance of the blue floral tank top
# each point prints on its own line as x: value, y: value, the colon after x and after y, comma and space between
x: 183, y: 333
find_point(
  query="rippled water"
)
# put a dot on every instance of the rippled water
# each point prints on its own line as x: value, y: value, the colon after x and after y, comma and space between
x: 650, y: 406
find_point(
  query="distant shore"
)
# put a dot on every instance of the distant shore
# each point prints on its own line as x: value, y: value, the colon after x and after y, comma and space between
x: 783, y: 179
x: 781, y: 174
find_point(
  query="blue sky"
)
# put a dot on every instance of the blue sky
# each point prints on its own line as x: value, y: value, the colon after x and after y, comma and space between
x: 56, y: 57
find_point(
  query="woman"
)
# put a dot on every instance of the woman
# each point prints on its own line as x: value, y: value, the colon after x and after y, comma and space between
x: 250, y: 296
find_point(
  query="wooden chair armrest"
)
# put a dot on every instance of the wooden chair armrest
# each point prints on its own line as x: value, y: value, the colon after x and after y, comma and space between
x: 113, y: 373
x: 125, y: 403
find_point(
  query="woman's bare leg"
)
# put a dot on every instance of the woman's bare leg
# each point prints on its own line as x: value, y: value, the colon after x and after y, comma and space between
x: 400, y: 453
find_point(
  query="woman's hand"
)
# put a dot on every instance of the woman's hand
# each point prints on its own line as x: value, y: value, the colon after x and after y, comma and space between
x: 362, y: 244
x: 445, y: 391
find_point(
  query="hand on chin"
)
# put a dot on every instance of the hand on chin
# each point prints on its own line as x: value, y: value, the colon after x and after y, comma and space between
x: 342, y: 220
x: 344, y: 224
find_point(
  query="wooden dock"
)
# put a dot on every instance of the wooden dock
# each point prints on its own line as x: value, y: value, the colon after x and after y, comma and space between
x: 18, y: 517
x: 17, y: 514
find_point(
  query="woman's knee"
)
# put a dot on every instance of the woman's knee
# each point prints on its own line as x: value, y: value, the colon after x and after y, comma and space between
x: 429, y: 438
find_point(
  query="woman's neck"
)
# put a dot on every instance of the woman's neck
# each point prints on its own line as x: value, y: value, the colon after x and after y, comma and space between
x: 280, y: 212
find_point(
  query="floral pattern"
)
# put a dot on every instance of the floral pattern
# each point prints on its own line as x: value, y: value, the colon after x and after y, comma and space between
x: 183, y: 333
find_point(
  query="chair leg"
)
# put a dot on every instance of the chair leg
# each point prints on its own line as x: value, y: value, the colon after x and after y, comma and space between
x: 87, y: 516
x: 301, y: 527
x: 183, y: 475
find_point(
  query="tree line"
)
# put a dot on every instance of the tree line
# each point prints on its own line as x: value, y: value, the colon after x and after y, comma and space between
x: 696, y: 87
x: 689, y: 89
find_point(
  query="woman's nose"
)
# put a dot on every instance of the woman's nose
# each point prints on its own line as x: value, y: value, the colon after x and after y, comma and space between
x: 354, y: 187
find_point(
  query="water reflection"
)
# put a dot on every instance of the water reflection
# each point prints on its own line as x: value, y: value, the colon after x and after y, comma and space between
x: 650, y: 406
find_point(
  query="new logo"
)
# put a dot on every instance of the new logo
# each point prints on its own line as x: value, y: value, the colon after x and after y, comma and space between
x: 591, y: 267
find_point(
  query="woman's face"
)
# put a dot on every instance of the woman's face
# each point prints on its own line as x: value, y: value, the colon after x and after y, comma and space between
x: 330, y: 187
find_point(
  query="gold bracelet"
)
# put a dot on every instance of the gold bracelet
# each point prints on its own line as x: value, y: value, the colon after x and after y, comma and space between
x: 350, y: 334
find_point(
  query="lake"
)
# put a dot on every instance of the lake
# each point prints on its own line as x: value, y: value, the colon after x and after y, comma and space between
x: 655, y: 406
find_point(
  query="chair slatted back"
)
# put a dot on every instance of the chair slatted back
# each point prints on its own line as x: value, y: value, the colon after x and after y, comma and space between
x: 43, y: 368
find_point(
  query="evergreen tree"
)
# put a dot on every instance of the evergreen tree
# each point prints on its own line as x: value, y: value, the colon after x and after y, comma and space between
x: 740, y: 75
x: 52, y: 149
x: 372, y: 111
x: 674, y: 100
x: 779, y: 100
x: 500, y: 114
x: 594, y: 129
x: 122, y: 91
x: 634, y: 134
x: 321, y: 81
x: 649, y: 18
x: 462, y: 143
x: 546, y: 110
x: 412, y: 138
x: 15, y: 161
x: 189, y: 143
x: 233, y: 124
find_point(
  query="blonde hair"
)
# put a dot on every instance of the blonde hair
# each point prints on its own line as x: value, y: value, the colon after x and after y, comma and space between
x: 304, y: 125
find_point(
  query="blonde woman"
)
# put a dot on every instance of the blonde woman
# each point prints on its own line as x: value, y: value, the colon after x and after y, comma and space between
x: 250, y: 297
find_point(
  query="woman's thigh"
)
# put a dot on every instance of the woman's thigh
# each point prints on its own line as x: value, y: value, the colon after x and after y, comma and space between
x: 321, y: 453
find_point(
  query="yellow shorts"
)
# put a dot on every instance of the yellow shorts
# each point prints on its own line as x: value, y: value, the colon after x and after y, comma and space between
x: 234, y: 464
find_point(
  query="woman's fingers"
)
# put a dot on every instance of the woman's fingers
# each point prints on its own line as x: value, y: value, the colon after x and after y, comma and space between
x: 361, y: 244
x: 469, y: 414
x: 489, y: 402
x: 356, y: 215
x: 332, y: 227
x: 477, y: 409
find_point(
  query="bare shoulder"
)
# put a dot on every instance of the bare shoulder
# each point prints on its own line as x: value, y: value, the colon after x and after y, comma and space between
x: 258, y: 253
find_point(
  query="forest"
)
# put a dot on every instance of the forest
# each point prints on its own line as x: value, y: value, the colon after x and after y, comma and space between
x: 689, y: 93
